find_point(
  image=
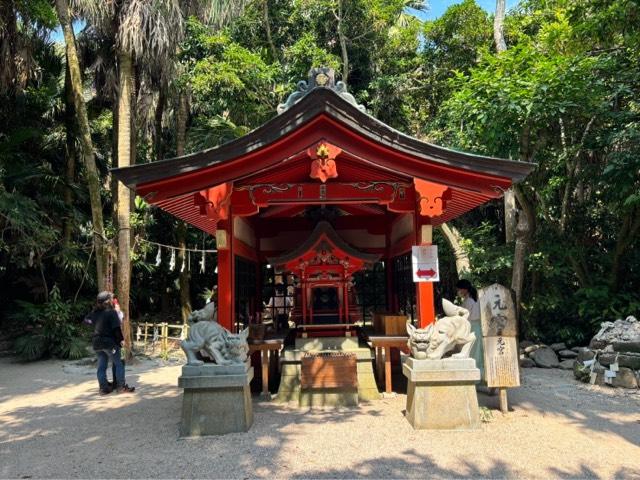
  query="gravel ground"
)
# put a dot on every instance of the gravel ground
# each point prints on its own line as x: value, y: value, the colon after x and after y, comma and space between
x: 53, y: 424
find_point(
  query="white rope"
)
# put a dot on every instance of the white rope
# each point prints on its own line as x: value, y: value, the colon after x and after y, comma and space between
x: 198, y: 250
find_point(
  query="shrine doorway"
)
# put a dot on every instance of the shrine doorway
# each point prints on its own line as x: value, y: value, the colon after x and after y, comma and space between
x: 326, y: 308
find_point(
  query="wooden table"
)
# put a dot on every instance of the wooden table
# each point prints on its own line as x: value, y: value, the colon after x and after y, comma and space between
x: 264, y: 347
x: 386, y: 343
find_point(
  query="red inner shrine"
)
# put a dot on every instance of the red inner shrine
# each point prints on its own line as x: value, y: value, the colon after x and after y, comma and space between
x: 321, y: 191
x: 324, y: 261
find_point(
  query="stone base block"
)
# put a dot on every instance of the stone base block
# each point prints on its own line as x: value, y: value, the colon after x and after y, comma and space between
x: 441, y: 394
x: 328, y: 397
x: 216, y: 400
x: 290, y: 391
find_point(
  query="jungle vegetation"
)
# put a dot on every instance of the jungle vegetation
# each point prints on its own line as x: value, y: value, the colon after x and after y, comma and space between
x: 553, y: 82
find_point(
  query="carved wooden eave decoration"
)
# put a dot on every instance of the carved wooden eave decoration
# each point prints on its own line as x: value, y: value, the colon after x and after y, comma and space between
x: 323, y: 161
x: 323, y: 253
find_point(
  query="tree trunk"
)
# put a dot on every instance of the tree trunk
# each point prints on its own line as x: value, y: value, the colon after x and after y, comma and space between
x: 267, y: 27
x: 343, y: 44
x: 157, y: 130
x: 8, y: 46
x: 125, y: 82
x: 185, y: 274
x: 70, y: 158
x: 88, y: 155
x: 451, y: 233
x: 627, y: 234
x: 498, y: 26
x: 523, y: 234
x: 510, y: 217
x: 181, y: 139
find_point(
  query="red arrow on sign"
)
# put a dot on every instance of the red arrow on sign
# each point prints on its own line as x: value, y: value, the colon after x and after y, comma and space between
x: 426, y: 273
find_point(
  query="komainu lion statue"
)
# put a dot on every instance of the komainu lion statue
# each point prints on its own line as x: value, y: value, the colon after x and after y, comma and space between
x: 209, y: 337
x: 450, y: 333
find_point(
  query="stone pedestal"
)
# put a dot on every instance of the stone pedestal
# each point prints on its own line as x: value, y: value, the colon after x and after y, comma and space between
x: 216, y: 400
x: 441, y: 394
x: 290, y: 388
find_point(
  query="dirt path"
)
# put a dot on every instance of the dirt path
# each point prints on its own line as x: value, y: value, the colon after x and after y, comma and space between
x: 53, y: 424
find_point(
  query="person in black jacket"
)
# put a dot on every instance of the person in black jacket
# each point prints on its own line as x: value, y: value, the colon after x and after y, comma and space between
x: 107, y: 342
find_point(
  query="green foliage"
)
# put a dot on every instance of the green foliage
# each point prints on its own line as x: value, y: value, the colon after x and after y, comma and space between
x: 53, y: 329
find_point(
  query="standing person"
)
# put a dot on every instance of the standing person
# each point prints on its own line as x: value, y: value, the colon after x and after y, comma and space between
x: 469, y: 296
x: 116, y: 307
x: 280, y: 304
x: 107, y: 341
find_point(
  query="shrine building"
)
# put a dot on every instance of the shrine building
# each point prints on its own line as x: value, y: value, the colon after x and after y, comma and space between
x: 326, y: 201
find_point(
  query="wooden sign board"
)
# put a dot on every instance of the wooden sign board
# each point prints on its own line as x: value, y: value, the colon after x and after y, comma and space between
x: 497, y: 312
x: 501, y: 362
x: 499, y: 329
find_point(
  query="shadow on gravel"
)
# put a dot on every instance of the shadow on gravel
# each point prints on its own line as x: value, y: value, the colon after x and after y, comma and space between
x: 140, y: 434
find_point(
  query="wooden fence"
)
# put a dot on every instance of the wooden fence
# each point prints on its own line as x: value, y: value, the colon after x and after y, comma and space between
x: 163, y: 336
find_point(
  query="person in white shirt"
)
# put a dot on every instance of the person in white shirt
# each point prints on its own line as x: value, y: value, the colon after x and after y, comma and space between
x: 469, y: 297
x: 280, y: 305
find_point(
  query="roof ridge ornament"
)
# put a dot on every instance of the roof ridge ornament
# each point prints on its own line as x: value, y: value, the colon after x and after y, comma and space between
x: 322, y: 77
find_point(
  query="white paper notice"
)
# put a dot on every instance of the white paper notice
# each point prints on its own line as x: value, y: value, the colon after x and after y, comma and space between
x: 424, y: 260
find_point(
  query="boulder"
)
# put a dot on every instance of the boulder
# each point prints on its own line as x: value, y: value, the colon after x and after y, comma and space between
x: 625, y: 378
x: 630, y: 360
x: 558, y: 346
x: 525, y: 343
x: 527, y: 363
x: 622, y: 335
x: 585, y: 354
x: 577, y: 349
x: 531, y: 348
x: 545, y: 357
x: 567, y: 354
x: 567, y: 364
x: 626, y: 346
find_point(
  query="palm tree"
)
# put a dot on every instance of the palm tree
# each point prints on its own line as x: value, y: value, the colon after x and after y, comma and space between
x: 146, y: 32
x: 88, y: 153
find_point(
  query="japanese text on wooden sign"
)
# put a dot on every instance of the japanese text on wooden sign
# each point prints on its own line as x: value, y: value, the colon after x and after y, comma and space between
x: 424, y: 260
x: 499, y: 329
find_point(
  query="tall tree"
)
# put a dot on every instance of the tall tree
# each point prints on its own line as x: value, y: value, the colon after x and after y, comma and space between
x: 88, y: 153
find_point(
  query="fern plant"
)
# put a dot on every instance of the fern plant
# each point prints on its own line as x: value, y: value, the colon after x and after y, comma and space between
x: 53, y: 332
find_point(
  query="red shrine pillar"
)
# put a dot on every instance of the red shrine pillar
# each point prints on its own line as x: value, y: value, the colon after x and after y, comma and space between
x: 425, y: 303
x: 224, y: 242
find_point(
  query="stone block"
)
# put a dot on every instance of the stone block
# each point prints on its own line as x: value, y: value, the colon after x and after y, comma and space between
x: 441, y: 394
x: 585, y: 354
x: 328, y: 397
x: 567, y: 364
x: 217, y: 403
x: 545, y: 357
x: 327, y: 343
x: 625, y: 378
x: 567, y: 354
x: 527, y: 363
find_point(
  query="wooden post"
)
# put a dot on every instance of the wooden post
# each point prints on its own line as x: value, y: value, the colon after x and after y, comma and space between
x: 425, y: 303
x: 225, y: 279
x: 265, y: 372
x: 387, y: 369
x: 504, y: 405
x: 164, y: 336
x: 379, y: 366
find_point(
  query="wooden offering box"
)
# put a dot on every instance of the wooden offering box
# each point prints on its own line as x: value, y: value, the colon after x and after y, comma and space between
x: 329, y: 370
x: 386, y: 324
